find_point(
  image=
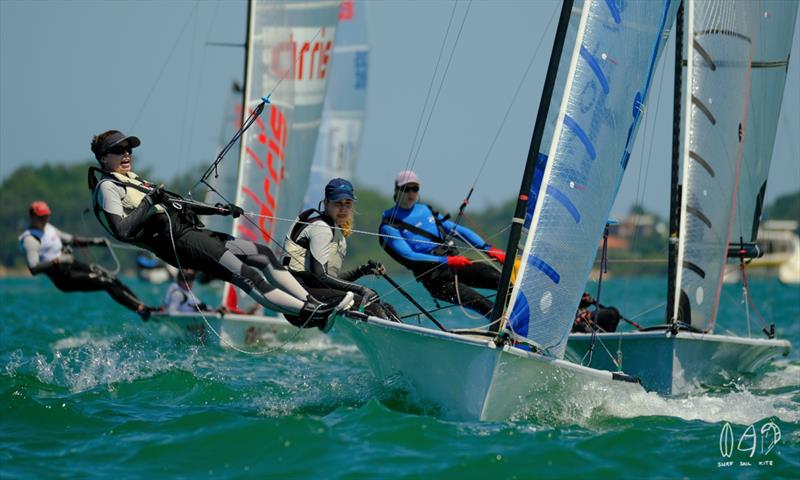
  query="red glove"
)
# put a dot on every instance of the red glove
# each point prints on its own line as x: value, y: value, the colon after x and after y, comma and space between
x: 457, y: 261
x: 497, y: 254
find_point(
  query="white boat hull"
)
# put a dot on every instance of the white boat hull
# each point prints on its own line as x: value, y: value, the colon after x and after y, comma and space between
x: 233, y: 330
x: 675, y: 364
x: 466, y: 377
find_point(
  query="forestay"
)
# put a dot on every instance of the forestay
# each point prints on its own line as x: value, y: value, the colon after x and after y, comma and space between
x: 610, y: 71
x: 772, y: 45
x: 345, y: 101
x: 721, y: 35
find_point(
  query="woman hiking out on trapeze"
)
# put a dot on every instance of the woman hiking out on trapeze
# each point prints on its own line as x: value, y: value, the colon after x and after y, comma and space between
x: 135, y: 211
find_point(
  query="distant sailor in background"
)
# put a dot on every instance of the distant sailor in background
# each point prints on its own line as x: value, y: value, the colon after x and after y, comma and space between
x: 601, y: 318
x: 419, y: 238
x: 317, y: 244
x: 179, y: 297
x: 137, y: 212
x: 46, y: 251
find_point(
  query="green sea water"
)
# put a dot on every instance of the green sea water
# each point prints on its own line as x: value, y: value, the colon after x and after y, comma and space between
x: 89, y: 391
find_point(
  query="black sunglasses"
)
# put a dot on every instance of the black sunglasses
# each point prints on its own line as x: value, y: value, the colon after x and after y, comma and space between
x: 414, y: 188
x: 119, y: 150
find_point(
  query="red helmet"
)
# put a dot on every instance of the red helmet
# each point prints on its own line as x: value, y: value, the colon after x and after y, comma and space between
x: 39, y: 208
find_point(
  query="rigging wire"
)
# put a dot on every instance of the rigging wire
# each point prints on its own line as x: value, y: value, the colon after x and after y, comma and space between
x: 189, y: 81
x: 195, y: 105
x: 441, y: 83
x: 430, y: 87
x: 245, y: 125
x: 651, y: 123
x: 514, y: 97
x: 412, y: 156
x: 502, y: 123
x: 164, y: 65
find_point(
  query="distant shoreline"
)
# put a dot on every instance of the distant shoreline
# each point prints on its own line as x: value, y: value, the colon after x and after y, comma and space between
x: 14, y: 272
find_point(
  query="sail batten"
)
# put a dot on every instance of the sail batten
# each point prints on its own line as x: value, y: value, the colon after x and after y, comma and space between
x: 723, y: 160
x: 611, y: 65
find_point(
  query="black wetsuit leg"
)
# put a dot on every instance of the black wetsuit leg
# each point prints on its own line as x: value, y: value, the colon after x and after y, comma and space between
x: 442, y: 286
x: 325, y: 295
x: 207, y: 251
x: 79, y: 277
x: 376, y: 309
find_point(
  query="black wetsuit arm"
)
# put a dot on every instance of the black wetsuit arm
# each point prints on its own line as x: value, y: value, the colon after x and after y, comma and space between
x: 84, y: 241
x: 355, y: 274
x: 318, y: 271
x: 209, y: 209
x: 125, y: 227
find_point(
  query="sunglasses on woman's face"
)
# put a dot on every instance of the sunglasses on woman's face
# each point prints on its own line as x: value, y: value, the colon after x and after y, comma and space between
x: 412, y: 188
x: 119, y: 150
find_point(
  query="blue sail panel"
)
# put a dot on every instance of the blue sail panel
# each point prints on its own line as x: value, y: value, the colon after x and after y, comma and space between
x: 611, y: 65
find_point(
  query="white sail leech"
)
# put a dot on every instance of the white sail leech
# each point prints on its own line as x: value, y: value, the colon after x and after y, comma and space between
x: 720, y: 42
x: 610, y: 71
x: 773, y: 44
x: 290, y: 45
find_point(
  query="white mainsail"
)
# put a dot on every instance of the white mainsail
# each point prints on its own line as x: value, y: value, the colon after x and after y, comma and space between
x: 772, y: 46
x: 345, y: 101
x: 289, y: 54
x: 720, y: 41
x: 610, y: 72
x: 314, y: 25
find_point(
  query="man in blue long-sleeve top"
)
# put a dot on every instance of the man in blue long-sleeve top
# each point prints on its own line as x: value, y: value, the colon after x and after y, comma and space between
x: 418, y: 238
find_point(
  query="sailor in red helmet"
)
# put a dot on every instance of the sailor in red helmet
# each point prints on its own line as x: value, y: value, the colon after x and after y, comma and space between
x: 46, y: 250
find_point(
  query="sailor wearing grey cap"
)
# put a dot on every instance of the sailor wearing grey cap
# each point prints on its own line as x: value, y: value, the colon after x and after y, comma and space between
x: 135, y: 211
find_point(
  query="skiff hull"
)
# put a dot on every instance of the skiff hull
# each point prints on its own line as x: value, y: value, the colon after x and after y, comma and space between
x: 234, y: 330
x: 676, y: 364
x: 466, y: 377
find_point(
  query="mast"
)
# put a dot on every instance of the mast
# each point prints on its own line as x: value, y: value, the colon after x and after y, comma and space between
x: 527, y: 176
x: 675, y: 187
x: 229, y: 297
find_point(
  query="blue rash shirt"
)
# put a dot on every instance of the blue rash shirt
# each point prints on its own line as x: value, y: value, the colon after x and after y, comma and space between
x: 415, y: 247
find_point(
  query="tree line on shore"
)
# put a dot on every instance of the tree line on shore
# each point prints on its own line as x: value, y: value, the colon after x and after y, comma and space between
x: 65, y: 188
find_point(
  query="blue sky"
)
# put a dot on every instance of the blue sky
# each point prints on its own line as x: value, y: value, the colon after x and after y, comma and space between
x: 69, y: 70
